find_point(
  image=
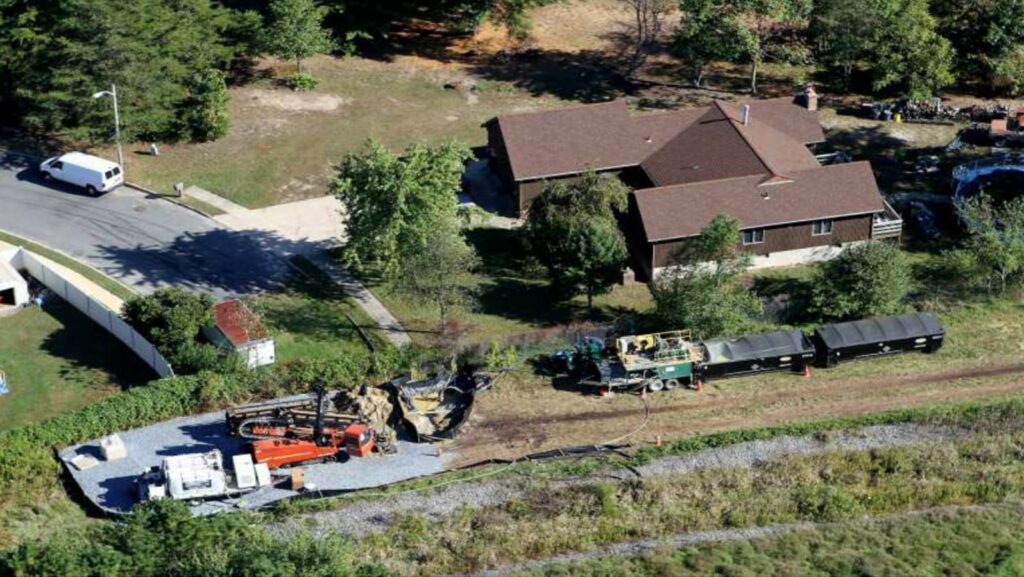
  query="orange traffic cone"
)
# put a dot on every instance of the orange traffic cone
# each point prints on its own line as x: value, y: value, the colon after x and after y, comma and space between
x: 807, y: 372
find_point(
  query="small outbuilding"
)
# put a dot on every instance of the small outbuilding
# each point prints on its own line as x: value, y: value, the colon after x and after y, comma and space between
x: 13, y: 286
x: 237, y: 329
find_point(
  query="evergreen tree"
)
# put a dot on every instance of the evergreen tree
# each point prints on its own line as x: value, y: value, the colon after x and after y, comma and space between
x: 55, y: 54
x: 572, y: 230
x: 204, y: 114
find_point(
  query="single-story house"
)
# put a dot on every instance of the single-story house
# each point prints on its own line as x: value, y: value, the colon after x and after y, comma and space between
x: 237, y: 329
x: 753, y: 162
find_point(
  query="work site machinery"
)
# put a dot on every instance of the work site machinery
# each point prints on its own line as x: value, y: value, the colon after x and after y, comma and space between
x: 651, y: 362
x: 662, y: 361
x: 301, y: 429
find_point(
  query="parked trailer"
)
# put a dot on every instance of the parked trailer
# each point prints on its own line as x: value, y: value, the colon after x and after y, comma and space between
x: 877, y: 337
x: 653, y: 362
x: 750, y: 354
x: 665, y: 360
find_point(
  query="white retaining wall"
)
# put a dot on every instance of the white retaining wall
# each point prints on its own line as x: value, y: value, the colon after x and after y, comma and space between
x: 98, y: 312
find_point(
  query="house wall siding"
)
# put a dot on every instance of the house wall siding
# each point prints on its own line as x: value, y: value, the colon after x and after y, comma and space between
x: 782, y: 238
x: 527, y: 190
x: 499, y: 154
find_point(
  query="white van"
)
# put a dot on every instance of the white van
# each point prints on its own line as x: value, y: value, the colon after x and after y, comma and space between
x: 93, y: 173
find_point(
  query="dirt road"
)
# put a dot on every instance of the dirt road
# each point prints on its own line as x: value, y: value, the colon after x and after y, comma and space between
x: 499, y: 429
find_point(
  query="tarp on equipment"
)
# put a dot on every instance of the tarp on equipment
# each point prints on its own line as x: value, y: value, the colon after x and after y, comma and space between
x: 881, y: 329
x: 752, y: 347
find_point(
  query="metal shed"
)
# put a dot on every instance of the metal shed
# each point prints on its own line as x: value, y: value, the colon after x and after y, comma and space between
x: 237, y: 329
x: 878, y: 336
x: 756, y: 353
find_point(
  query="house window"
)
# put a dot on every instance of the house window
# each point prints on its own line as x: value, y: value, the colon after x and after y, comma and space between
x: 821, y: 227
x: 753, y: 236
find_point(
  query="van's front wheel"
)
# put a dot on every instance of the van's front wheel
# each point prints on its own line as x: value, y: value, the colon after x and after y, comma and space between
x: 91, y: 190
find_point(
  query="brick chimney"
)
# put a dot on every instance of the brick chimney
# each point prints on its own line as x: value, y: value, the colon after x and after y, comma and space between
x: 810, y: 98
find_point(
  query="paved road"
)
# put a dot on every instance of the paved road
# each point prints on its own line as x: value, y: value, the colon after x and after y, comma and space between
x: 143, y: 241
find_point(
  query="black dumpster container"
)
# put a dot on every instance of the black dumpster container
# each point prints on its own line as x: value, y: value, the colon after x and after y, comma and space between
x: 877, y: 336
x: 781, y: 350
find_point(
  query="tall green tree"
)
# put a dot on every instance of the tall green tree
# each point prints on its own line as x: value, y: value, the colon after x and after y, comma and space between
x: 896, y: 41
x: 986, y: 35
x: 572, y: 230
x: 706, y: 34
x: 441, y: 272
x: 910, y: 54
x: 296, y: 30
x: 992, y: 256
x: 54, y: 55
x: 394, y: 204
x: 204, y: 114
x: 755, y: 30
x: 865, y: 280
x: 841, y: 37
x: 704, y: 292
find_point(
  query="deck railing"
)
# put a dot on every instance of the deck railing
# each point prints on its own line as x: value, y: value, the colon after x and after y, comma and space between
x: 889, y: 224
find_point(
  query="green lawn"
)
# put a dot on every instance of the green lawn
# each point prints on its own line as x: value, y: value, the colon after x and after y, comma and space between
x: 512, y: 300
x: 312, y: 318
x: 282, y: 144
x: 57, y: 360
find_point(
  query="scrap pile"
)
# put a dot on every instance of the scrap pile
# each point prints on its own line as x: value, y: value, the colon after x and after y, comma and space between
x: 436, y: 408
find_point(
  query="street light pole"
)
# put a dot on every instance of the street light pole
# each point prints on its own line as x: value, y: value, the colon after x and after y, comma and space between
x: 112, y: 93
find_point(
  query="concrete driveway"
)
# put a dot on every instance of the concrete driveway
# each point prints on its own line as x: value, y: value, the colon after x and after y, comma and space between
x: 143, y: 241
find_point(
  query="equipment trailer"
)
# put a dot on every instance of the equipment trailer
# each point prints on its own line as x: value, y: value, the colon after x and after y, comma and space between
x: 651, y: 362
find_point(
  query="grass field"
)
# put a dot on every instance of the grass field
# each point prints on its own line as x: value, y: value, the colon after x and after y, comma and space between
x: 313, y: 319
x: 956, y: 541
x: 978, y: 464
x: 58, y: 360
x: 282, y: 144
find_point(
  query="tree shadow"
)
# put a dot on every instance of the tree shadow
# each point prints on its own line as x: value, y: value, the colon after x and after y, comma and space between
x: 586, y: 76
x: 84, y: 345
x: 786, y: 298
x: 219, y: 261
x: 537, y: 304
x: 502, y: 251
x: 318, y: 310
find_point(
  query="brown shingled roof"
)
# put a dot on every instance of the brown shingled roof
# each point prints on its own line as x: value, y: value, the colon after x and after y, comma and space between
x: 606, y: 136
x: 832, y: 191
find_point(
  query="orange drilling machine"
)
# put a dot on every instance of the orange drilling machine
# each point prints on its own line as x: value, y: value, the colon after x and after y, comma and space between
x: 282, y: 435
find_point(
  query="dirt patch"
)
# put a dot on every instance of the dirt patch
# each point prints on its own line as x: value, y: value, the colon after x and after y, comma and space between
x: 499, y: 430
x: 290, y: 101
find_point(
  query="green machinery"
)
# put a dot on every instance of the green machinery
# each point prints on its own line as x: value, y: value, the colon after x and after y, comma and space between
x: 652, y: 362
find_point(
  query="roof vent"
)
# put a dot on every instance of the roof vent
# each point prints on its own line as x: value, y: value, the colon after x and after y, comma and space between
x: 765, y: 195
x: 648, y: 139
x: 746, y: 114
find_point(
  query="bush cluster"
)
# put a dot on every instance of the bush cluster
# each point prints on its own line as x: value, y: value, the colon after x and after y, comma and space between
x: 162, y: 538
